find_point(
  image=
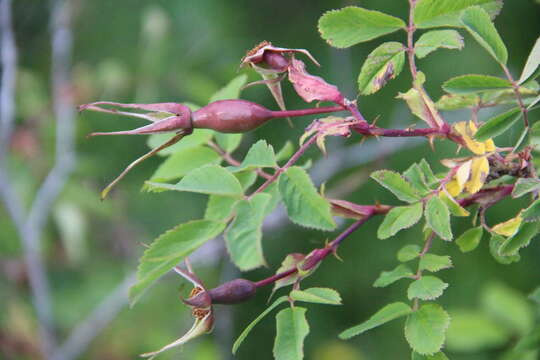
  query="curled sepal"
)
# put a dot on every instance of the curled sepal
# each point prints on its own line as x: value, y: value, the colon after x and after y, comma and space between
x: 329, y: 126
x: 310, y: 87
x: 204, y: 323
x: 165, y: 117
x: 265, y: 54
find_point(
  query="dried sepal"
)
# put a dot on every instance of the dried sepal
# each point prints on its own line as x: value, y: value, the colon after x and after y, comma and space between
x: 257, y: 54
x: 310, y: 87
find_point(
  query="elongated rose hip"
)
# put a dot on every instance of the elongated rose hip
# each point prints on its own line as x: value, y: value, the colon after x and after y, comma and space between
x: 231, y: 116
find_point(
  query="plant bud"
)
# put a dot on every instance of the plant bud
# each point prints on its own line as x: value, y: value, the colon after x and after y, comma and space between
x: 231, y: 116
x: 233, y: 292
x: 199, y: 299
x: 276, y: 61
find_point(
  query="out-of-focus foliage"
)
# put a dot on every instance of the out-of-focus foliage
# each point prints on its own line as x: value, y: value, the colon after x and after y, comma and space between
x: 139, y: 51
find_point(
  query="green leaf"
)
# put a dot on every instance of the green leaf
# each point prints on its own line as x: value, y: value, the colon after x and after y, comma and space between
x: 382, y: 64
x: 394, y: 182
x: 457, y: 102
x: 244, y: 235
x: 521, y: 239
x: 530, y: 70
x: 473, y: 331
x: 231, y: 90
x: 438, y: 356
x: 434, y: 263
x: 408, y: 253
x: 228, y: 142
x: 508, y: 307
x: 498, y: 125
x: 197, y: 138
x: 426, y: 288
x: 428, y: 173
x: 352, y: 25
x: 524, y: 186
x: 182, y: 162
x: 291, y: 330
x: 432, y: 40
x: 400, y: 217
x: 416, y: 177
x: 304, y: 204
x: 221, y: 207
x: 438, y: 218
x: 466, y: 84
x: 389, y: 277
x: 317, y: 295
x: 425, y: 329
x: 478, y: 23
x: 250, y: 327
x: 169, y: 249
x: 470, y: 239
x: 260, y: 155
x: 453, y: 206
x: 386, y: 314
x: 436, y: 13
x: 532, y: 213
x: 210, y: 179
x: 495, y: 243
x: 535, y: 296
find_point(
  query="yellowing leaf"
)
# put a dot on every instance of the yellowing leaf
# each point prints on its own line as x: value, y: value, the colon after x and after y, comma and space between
x: 463, y: 173
x: 467, y: 131
x: 454, y: 188
x: 452, y: 204
x: 509, y: 227
x: 479, y: 173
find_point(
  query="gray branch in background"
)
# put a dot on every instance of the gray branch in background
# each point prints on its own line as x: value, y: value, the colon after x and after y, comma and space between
x: 30, y: 228
x: 85, y: 332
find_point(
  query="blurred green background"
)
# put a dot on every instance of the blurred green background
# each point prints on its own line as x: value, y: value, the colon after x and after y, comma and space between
x: 185, y: 50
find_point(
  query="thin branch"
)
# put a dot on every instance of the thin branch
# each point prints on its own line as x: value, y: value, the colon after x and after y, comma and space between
x: 93, y: 324
x: 515, y: 86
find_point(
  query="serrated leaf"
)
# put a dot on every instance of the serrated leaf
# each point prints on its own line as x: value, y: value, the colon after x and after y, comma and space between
x: 498, y: 125
x: 244, y: 235
x: 221, y: 207
x: 508, y: 307
x: 495, y: 243
x: 473, y: 331
x: 425, y: 329
x: 386, y: 314
x: 436, y: 13
x: 521, y: 239
x: 457, y: 102
x: 532, y: 213
x: 400, y: 217
x: 250, y: 327
x: 382, y: 64
x: 426, y: 288
x: 183, y: 161
x: 508, y: 227
x: 466, y: 84
x: 478, y: 23
x: 530, y: 70
x: 428, y: 173
x: 169, y: 249
x: 432, y: 40
x: 197, y: 138
x: 304, y: 204
x: 317, y: 295
x: 408, y: 253
x: 291, y: 330
x: 438, y: 218
x: 394, y: 182
x: 389, y: 277
x: 260, y: 155
x: 351, y: 25
x: 438, y: 356
x: 453, y: 206
x: 416, y: 177
x: 470, y: 239
x: 524, y: 186
x: 421, y: 106
x: 231, y: 90
x: 434, y: 263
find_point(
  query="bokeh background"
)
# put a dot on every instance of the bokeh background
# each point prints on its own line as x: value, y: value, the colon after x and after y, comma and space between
x: 185, y: 50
